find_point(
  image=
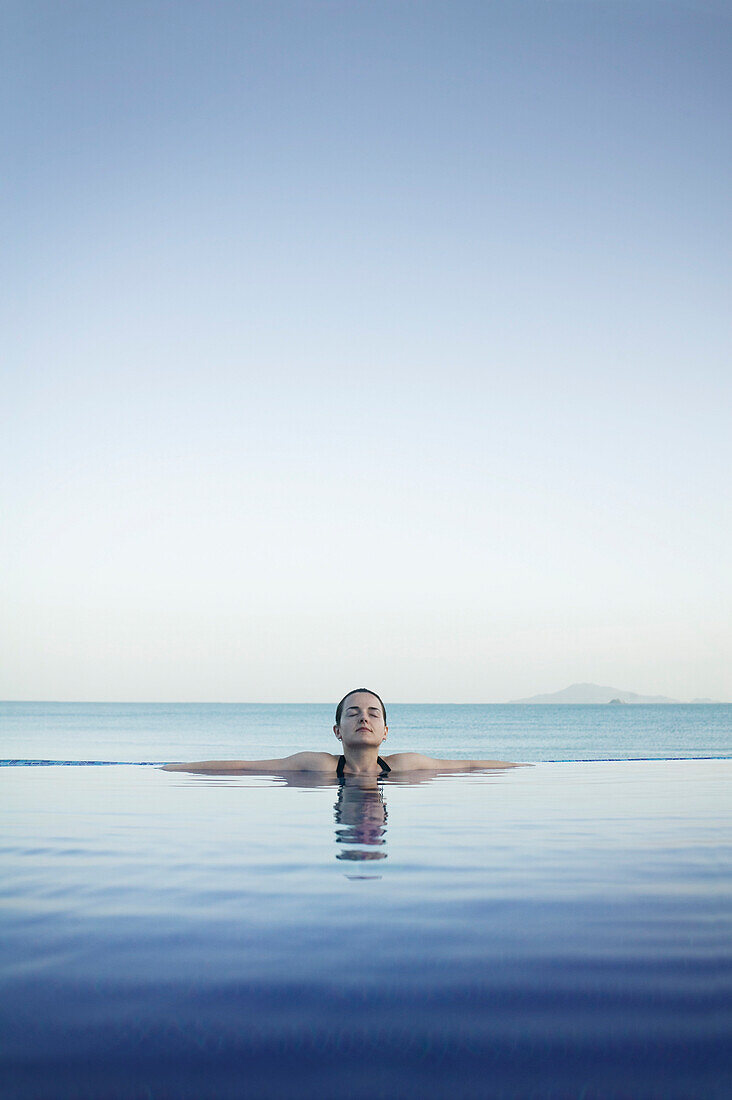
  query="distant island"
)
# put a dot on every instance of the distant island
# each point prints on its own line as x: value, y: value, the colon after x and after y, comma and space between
x: 596, y: 693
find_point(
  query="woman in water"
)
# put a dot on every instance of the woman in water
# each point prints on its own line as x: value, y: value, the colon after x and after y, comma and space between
x: 361, y: 729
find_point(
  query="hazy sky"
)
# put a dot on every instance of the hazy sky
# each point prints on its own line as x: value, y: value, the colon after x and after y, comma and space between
x: 350, y: 341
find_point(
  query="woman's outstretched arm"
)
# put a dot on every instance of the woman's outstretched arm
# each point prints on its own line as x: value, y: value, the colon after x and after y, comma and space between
x: 298, y: 762
x: 415, y: 761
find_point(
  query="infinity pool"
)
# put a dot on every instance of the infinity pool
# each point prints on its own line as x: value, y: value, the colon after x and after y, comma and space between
x: 563, y: 930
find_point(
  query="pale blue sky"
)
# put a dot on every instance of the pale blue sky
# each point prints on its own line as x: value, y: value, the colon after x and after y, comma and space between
x: 372, y: 342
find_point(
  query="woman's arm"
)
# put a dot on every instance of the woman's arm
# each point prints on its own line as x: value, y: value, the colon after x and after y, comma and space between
x: 298, y: 762
x: 415, y: 761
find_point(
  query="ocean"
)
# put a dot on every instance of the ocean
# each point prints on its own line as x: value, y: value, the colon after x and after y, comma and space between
x: 154, y: 732
x: 562, y: 930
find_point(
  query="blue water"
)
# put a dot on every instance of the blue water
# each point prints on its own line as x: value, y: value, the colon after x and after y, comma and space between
x: 179, y: 731
x: 559, y: 931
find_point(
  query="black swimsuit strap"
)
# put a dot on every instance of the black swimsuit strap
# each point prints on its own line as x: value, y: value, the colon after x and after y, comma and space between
x: 385, y: 769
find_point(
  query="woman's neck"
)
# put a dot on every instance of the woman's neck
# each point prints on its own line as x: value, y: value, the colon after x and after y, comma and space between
x: 362, y: 760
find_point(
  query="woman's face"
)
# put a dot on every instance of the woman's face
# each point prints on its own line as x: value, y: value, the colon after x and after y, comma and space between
x: 362, y: 720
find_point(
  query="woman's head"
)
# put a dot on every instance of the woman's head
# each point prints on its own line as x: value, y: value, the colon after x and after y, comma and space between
x: 359, y: 691
x: 360, y: 719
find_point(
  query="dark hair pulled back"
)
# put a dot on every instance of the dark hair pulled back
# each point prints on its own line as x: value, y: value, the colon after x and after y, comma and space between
x: 339, y: 708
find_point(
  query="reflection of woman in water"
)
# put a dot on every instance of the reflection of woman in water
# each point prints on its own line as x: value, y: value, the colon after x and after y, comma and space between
x: 361, y: 728
x: 360, y: 816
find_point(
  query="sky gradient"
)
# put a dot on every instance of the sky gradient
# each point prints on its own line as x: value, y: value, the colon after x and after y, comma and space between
x: 353, y: 342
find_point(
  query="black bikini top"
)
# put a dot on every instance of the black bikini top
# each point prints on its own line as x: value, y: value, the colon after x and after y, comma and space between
x: 385, y: 769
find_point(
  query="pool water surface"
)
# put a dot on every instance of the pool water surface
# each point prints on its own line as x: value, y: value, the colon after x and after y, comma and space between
x: 562, y: 930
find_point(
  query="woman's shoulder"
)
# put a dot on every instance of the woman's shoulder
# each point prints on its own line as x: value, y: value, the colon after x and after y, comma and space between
x: 311, y: 762
x: 409, y: 761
